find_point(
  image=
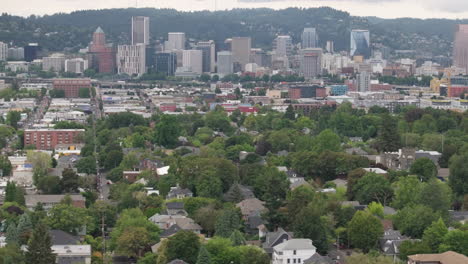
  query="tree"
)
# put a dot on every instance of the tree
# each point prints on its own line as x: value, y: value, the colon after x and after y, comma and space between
x: 24, y: 228
x: 434, y: 234
x: 206, y: 218
x: 327, y: 140
x: 458, y: 178
x: 184, y: 245
x: 227, y: 223
x: 388, y: 137
x: 252, y: 255
x: 167, y: 131
x: 237, y: 238
x: 424, y: 168
x: 11, y: 255
x: 364, y: 231
x: 40, y: 246
x: 68, y: 218
x: 12, y: 119
x: 376, y: 209
x: 49, y: 184
x: 455, y: 240
x: 14, y: 193
x: 113, y: 159
x: 298, y: 199
x: 290, y: 113
x: 86, y: 165
x: 406, y: 189
x: 83, y: 92
x: 203, y: 256
x: 12, y: 236
x: 69, y: 181
x: 437, y: 195
x: 309, y: 223
x: 409, y: 247
x: 5, y: 166
x: 359, y: 258
x: 133, y: 241
x: 373, y: 188
x: 414, y: 219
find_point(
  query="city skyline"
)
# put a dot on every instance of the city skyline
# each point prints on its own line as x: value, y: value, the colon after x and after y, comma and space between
x: 453, y: 9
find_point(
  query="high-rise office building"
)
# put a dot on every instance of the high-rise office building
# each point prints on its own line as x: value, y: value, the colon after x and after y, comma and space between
x: 209, y: 53
x: 31, y: 52
x: 309, y: 38
x: 360, y: 43
x: 282, y: 46
x: 16, y: 53
x: 240, y: 48
x: 310, y: 62
x: 140, y: 30
x: 131, y: 59
x: 3, y: 51
x: 101, y: 55
x: 225, y: 63
x: 363, y: 80
x: 166, y: 62
x: 176, y: 41
x: 55, y: 62
x: 193, y: 60
x: 460, y: 47
x: 77, y: 65
x: 330, y: 46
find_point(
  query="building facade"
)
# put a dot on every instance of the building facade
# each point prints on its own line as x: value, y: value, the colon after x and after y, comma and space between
x: 140, y: 30
x: 56, y: 63
x: 193, y: 60
x: 47, y: 139
x: 309, y: 38
x: 3, y: 51
x: 360, y: 43
x: 131, y: 59
x: 363, y: 80
x: 225, y: 63
x: 310, y: 62
x: 282, y: 46
x: 77, y: 65
x: 209, y: 53
x: 71, y: 87
x: 16, y: 53
x: 460, y: 47
x: 176, y: 41
x: 240, y: 48
x: 101, y: 54
x: 31, y: 52
x: 166, y: 62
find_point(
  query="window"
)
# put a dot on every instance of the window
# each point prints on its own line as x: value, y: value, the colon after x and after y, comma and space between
x: 299, y: 260
x: 294, y: 252
x: 294, y: 260
x: 289, y: 261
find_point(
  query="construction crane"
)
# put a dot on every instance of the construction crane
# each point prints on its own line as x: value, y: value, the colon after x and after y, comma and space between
x: 444, y: 81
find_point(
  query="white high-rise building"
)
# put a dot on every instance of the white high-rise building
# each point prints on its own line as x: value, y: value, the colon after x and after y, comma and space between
x: 3, y: 51
x: 363, y: 80
x: 16, y: 53
x: 240, y: 48
x: 310, y: 62
x: 140, y: 30
x: 225, y: 63
x: 55, y: 62
x: 209, y: 55
x: 282, y: 46
x: 193, y: 60
x: 131, y: 59
x: 77, y: 65
x: 309, y: 38
x: 176, y: 41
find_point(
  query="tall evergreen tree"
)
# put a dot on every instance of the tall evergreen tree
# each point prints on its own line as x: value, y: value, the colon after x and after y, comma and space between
x: 227, y: 222
x: 10, y: 192
x: 388, y: 136
x: 290, y: 113
x: 203, y: 256
x: 12, y: 237
x: 24, y: 228
x: 39, y: 246
x: 237, y: 238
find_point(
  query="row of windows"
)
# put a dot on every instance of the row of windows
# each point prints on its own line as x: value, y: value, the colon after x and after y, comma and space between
x: 294, y: 261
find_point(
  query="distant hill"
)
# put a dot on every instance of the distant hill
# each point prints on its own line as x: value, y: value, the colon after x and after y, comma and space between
x: 59, y: 31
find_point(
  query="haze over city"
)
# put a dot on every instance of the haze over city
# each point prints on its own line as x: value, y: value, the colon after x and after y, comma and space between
x: 454, y: 9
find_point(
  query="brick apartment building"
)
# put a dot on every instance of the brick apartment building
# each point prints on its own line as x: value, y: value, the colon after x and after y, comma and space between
x: 47, y: 139
x: 71, y: 86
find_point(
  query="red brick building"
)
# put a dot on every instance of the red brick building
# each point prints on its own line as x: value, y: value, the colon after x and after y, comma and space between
x: 102, y: 55
x: 47, y: 139
x: 168, y: 107
x: 71, y: 87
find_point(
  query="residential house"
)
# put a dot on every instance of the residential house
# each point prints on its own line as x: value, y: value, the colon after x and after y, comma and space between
x: 404, y: 158
x: 131, y: 176
x: 273, y: 239
x: 178, y: 193
x: 448, y: 257
x: 293, y: 251
x: 50, y: 200
x: 390, y: 243
x: 376, y: 171
x: 175, y: 208
x: 238, y: 192
x: 250, y: 207
x: 459, y: 216
x: 68, y: 248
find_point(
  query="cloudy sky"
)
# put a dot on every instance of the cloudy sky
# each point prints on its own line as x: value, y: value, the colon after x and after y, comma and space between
x: 380, y: 8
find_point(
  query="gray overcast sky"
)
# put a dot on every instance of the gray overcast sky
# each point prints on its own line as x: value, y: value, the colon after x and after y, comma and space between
x: 380, y: 8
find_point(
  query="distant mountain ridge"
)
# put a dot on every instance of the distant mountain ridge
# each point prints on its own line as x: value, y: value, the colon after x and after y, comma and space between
x: 73, y: 30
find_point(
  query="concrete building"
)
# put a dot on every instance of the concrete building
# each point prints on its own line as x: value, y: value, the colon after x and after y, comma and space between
x: 77, y: 65
x: 3, y: 51
x: 363, y: 81
x: 330, y: 47
x: 15, y: 66
x: 55, y: 62
x: 47, y: 139
x: 16, y: 53
x: 166, y: 62
x: 460, y: 47
x: 360, y: 43
x: 131, y: 59
x: 282, y: 46
x: 101, y: 55
x: 309, y: 38
x: 140, y: 30
x: 50, y: 200
x: 225, y: 63
x: 240, y: 48
x: 31, y: 52
x: 310, y: 62
x: 209, y: 55
x: 193, y: 59
x: 71, y: 86
x: 176, y: 41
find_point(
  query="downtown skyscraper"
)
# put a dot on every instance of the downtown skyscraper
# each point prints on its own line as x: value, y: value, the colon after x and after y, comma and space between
x: 360, y: 43
x: 309, y: 38
x: 460, y: 47
x: 140, y: 30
